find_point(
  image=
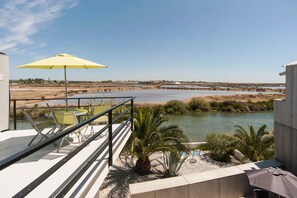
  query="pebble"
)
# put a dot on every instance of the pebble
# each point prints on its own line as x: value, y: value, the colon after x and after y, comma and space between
x: 116, y: 183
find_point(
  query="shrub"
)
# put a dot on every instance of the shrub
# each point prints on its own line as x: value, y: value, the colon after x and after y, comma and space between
x: 228, y: 108
x: 265, y: 105
x: 221, y: 146
x: 198, y: 104
x: 214, y: 105
x: 253, y: 107
x: 175, y: 106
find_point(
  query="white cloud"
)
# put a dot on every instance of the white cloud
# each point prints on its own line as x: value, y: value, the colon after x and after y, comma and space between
x: 20, y: 19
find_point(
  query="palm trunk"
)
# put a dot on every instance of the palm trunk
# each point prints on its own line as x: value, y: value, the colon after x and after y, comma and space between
x: 143, y: 167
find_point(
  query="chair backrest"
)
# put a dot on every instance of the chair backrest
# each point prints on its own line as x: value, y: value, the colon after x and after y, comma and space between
x: 49, y: 107
x: 52, y: 113
x: 30, y: 120
x: 65, y: 118
x: 99, y: 109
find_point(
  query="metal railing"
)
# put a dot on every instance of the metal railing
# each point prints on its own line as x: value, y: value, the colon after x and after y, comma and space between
x: 77, y: 103
x: 108, y: 143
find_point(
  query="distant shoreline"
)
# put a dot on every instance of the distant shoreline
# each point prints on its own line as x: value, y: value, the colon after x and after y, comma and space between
x: 21, y: 91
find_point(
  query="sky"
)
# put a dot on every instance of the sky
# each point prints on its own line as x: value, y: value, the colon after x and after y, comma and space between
x: 180, y: 40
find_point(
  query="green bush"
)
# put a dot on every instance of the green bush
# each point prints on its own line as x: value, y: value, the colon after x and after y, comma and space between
x: 198, y: 104
x: 175, y: 107
x: 214, y: 105
x: 228, y: 108
x: 221, y: 146
x: 265, y: 105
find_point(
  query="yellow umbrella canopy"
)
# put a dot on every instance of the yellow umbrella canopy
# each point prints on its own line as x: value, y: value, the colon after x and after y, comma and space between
x: 63, y: 61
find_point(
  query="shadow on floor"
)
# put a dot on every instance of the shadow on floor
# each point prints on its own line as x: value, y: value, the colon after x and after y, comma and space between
x: 14, y: 145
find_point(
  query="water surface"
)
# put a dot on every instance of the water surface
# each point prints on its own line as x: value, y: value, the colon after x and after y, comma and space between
x: 164, y: 95
x: 198, y: 125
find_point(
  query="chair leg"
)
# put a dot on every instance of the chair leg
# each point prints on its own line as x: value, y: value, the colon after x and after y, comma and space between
x: 62, y: 141
x: 33, y: 139
x: 92, y: 130
x: 45, y: 135
x: 83, y: 136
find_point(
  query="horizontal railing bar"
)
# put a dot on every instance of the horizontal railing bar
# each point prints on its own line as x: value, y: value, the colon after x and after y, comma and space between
x: 103, y: 97
x: 28, y: 151
x: 98, y: 163
x: 119, y: 116
x: 115, y: 133
x: 32, y: 149
x: 26, y: 190
x: 79, y: 173
x: 81, y: 170
x: 126, y: 126
x: 50, y: 171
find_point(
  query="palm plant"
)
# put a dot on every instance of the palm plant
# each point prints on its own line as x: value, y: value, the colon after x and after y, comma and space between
x: 255, y: 145
x: 151, y: 135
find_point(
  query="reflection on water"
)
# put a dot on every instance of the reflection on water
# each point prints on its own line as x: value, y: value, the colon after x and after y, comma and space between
x: 198, y: 125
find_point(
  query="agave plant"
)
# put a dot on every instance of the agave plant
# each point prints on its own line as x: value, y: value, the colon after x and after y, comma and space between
x: 255, y: 145
x: 151, y: 135
x: 172, y: 162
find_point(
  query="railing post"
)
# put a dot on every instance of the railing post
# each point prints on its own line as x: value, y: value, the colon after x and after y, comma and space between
x: 132, y: 114
x: 14, y: 115
x: 78, y: 103
x: 110, y: 138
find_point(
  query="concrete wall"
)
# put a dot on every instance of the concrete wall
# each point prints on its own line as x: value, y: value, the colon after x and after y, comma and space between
x: 220, y: 183
x: 285, y: 123
x: 4, y: 92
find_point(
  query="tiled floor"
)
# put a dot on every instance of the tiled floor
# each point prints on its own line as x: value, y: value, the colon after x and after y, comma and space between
x: 20, y: 174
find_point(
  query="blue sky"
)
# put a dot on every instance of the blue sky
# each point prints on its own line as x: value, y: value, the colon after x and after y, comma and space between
x: 183, y: 40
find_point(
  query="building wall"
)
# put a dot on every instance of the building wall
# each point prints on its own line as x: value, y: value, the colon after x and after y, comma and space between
x: 285, y: 123
x: 4, y: 92
x: 219, y: 183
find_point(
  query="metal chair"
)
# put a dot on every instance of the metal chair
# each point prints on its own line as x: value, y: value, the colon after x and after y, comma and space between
x: 101, y: 120
x: 66, y: 120
x: 58, y: 126
x: 39, y: 128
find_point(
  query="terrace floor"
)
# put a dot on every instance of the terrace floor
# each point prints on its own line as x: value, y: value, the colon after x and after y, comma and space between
x: 15, y: 177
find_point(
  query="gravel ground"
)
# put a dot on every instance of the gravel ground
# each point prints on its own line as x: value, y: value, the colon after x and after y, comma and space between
x: 116, y: 184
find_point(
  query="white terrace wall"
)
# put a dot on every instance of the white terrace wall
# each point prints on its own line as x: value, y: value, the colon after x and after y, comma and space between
x: 285, y: 123
x: 220, y: 183
x: 4, y: 92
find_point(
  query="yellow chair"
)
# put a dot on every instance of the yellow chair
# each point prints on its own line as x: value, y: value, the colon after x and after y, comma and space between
x: 67, y: 120
x: 102, y: 119
x: 39, y: 127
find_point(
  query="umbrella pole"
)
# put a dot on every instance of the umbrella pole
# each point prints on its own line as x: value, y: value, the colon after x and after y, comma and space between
x: 65, y: 77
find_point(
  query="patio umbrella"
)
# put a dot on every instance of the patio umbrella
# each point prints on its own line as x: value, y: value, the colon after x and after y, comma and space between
x: 63, y: 61
x: 275, y: 180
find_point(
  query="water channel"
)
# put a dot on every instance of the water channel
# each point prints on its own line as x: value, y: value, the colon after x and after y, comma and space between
x: 156, y: 95
x: 198, y: 125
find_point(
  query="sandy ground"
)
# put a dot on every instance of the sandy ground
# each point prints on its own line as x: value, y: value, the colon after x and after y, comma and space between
x: 242, y: 97
x: 116, y: 184
x: 26, y: 92
x: 31, y: 92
